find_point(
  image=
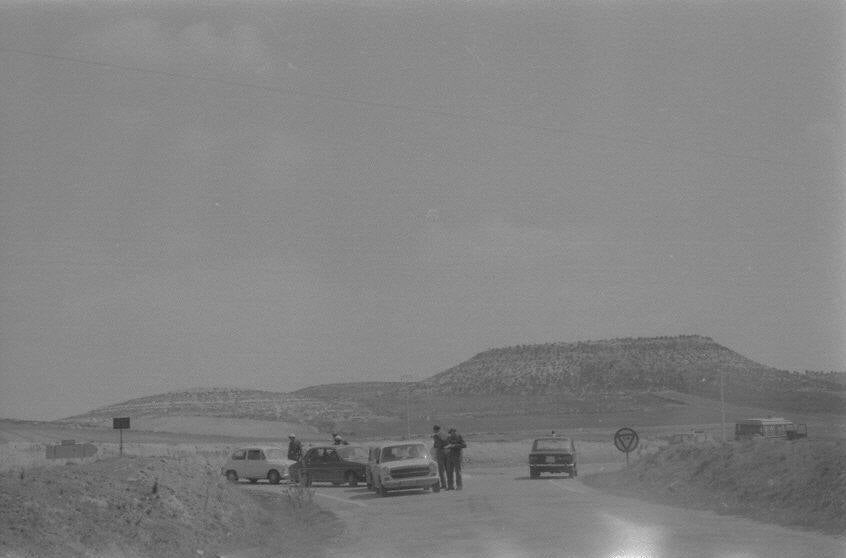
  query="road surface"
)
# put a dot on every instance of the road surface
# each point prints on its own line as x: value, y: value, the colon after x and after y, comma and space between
x: 501, y: 513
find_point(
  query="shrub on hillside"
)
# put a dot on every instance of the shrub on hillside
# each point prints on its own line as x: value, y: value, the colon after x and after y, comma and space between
x: 801, y: 483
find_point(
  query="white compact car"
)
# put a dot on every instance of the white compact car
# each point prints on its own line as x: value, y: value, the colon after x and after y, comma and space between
x: 403, y: 465
x: 257, y: 462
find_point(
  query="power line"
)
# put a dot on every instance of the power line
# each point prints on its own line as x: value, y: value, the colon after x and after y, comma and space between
x: 557, y: 130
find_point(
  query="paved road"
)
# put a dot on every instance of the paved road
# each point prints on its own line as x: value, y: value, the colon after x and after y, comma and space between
x: 501, y: 513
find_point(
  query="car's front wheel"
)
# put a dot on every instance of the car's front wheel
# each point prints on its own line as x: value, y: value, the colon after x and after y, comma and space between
x: 273, y: 477
x: 436, y: 487
x: 231, y: 476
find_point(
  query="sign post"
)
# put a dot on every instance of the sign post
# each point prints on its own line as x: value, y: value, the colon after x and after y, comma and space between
x: 120, y: 424
x: 626, y: 439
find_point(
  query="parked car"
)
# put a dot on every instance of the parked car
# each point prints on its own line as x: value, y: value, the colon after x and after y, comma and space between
x: 552, y: 454
x: 403, y: 465
x: 335, y: 464
x: 258, y: 462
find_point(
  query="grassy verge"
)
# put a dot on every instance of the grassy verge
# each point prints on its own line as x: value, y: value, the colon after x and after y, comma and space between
x: 136, y: 507
x: 800, y: 483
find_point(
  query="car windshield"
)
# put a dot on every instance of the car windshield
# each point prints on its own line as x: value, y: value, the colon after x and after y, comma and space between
x: 553, y: 444
x: 352, y: 452
x: 404, y: 451
x: 276, y: 454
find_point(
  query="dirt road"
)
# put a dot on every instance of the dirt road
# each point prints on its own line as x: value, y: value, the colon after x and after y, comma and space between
x: 501, y: 513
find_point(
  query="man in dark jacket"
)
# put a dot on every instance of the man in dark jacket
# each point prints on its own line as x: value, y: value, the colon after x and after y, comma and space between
x: 455, y: 443
x: 440, y: 440
x: 295, y: 448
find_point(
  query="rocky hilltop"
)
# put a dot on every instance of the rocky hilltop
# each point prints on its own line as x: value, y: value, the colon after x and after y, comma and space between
x: 688, y: 364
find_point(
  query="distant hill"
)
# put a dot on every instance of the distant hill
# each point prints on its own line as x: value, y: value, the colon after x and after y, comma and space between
x: 522, y: 386
x: 232, y: 403
x: 688, y: 364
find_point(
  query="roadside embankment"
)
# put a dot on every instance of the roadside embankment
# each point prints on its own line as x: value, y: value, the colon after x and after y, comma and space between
x: 134, y: 507
x: 800, y: 483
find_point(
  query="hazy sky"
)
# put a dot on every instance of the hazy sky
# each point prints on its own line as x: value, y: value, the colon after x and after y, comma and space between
x: 282, y: 194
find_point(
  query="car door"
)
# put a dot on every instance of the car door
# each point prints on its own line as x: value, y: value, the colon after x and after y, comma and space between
x: 334, y: 466
x: 256, y: 464
x: 311, y: 463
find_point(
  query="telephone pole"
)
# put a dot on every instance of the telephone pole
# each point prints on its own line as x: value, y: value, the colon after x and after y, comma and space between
x: 407, y: 379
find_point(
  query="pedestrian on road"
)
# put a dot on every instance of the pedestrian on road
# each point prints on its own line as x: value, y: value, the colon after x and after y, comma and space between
x: 440, y: 440
x: 455, y: 443
x: 295, y: 448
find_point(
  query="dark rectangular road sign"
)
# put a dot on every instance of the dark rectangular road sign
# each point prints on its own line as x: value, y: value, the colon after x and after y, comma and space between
x: 121, y: 423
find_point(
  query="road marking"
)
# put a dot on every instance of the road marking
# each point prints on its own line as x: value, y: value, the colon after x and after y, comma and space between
x: 344, y: 500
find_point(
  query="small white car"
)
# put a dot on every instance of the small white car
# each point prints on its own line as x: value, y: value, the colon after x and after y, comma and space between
x: 257, y: 462
x: 403, y: 465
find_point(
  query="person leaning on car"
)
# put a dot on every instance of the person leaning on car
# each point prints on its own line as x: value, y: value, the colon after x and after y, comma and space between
x: 440, y: 440
x: 455, y: 443
x: 295, y: 448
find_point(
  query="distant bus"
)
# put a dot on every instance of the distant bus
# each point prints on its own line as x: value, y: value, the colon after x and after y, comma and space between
x: 769, y: 428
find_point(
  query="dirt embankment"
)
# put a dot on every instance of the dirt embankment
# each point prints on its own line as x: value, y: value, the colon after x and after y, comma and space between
x: 137, y: 507
x: 799, y: 484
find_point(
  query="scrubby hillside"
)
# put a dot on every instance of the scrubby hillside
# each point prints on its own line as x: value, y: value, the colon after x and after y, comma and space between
x: 232, y: 403
x: 150, y: 506
x: 800, y: 483
x: 505, y: 388
x: 686, y: 364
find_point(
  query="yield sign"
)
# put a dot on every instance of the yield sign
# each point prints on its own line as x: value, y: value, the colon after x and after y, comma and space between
x: 626, y: 440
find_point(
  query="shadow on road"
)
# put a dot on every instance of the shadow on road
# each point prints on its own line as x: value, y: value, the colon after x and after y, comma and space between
x: 369, y: 495
x: 547, y: 478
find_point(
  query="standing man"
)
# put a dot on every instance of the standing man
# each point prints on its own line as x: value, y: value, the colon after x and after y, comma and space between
x: 295, y: 448
x: 455, y: 443
x: 440, y: 440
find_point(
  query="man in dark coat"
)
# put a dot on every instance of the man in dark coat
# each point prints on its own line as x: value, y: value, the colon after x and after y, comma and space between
x: 295, y: 448
x: 440, y: 440
x: 455, y: 443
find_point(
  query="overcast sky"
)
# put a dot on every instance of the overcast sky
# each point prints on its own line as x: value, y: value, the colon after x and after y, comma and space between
x: 283, y: 194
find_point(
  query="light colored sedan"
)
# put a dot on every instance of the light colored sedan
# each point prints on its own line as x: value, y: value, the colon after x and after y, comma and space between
x: 257, y: 462
x: 403, y: 465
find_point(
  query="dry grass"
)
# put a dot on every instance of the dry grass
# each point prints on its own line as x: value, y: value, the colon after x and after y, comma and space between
x: 168, y: 505
x: 800, y: 483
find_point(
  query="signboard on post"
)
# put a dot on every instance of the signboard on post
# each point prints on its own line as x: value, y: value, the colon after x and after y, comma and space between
x: 120, y: 424
x: 626, y: 439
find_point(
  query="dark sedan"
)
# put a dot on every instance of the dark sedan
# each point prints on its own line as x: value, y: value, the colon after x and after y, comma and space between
x: 552, y: 455
x: 335, y: 464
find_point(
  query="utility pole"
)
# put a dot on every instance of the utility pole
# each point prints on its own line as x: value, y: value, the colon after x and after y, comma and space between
x: 407, y: 379
x: 723, y: 402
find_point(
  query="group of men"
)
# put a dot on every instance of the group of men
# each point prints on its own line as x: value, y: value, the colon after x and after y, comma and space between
x: 447, y: 445
x: 295, y: 447
x: 448, y: 454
